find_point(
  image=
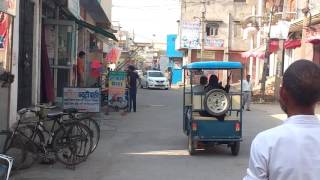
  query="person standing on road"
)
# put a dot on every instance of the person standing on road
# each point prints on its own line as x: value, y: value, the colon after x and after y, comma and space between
x: 291, y: 150
x: 169, y: 76
x: 80, y: 69
x: 132, y: 83
x: 247, y: 92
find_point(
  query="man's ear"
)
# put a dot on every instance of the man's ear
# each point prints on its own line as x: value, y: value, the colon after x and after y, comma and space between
x: 283, y: 94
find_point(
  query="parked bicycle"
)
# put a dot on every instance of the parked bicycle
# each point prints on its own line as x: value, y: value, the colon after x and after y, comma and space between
x: 69, y: 141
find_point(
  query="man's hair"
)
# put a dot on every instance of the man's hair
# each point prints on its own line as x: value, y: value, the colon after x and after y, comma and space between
x: 203, y: 80
x: 81, y: 54
x: 131, y: 68
x: 302, y: 81
x: 213, y: 80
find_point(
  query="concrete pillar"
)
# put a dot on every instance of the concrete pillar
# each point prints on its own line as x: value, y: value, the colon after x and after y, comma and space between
x: 14, y: 70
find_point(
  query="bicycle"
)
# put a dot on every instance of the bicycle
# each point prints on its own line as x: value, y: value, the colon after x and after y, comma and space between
x: 68, y: 142
x: 92, y: 124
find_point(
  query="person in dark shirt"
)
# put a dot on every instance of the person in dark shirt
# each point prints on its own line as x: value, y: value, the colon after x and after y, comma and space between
x: 132, y: 85
x: 214, y: 84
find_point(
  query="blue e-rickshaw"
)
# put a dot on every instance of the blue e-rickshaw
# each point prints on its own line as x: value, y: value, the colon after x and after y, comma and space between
x: 212, y: 117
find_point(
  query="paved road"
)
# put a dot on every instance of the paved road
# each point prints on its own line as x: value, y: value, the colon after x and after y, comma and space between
x: 150, y: 145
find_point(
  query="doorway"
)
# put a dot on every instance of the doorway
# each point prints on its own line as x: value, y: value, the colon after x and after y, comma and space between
x: 61, y: 41
x: 25, y: 54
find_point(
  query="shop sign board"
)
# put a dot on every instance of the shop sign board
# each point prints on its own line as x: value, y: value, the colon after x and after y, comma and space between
x: 209, y: 55
x: 82, y: 99
x: 74, y: 8
x: 117, y: 96
x: 280, y: 31
x: 214, y: 44
x: 8, y: 6
x: 190, y: 35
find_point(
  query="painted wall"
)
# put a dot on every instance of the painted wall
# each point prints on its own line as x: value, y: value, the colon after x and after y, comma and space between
x: 218, y: 11
x: 171, y: 47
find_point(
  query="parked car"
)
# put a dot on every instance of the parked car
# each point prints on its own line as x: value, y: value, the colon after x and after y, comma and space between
x: 154, y: 79
x: 140, y: 73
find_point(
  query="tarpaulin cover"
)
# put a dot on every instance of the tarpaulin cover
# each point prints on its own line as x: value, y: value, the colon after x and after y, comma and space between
x: 292, y: 43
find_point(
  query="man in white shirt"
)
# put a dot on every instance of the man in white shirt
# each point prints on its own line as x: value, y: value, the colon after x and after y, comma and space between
x: 247, y: 92
x: 291, y: 151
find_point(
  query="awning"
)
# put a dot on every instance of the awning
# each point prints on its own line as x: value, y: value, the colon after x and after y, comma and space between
x: 260, y: 52
x: 95, y: 29
x: 292, y: 43
x: 89, y: 26
x: 313, y: 40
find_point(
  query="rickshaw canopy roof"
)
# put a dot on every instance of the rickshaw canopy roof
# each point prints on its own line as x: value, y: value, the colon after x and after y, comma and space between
x: 214, y: 65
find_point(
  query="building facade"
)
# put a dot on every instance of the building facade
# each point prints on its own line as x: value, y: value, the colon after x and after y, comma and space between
x: 175, y: 60
x: 211, y: 30
x: 285, y: 31
x: 47, y: 36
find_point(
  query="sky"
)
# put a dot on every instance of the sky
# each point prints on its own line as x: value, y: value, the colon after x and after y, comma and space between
x: 151, y: 20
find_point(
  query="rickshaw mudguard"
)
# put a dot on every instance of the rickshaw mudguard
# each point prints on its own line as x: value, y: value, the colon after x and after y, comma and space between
x: 217, y: 131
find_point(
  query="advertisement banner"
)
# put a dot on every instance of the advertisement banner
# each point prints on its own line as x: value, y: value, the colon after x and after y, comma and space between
x: 190, y: 35
x: 4, y: 29
x: 8, y: 6
x: 117, y: 96
x: 82, y: 99
x: 280, y: 31
x: 214, y: 44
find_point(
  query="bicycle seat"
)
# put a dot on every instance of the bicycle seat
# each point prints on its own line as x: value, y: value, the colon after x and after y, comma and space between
x: 70, y: 111
x: 53, y: 115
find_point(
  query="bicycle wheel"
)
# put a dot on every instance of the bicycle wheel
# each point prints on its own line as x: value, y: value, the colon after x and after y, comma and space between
x: 72, y: 143
x: 12, y: 145
x: 95, y: 129
x: 33, y: 140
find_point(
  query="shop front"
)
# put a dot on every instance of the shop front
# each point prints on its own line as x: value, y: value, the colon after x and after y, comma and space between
x: 67, y: 29
x: 7, y: 14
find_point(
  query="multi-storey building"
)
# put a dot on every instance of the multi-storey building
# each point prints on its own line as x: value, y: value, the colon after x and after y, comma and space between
x: 211, y: 30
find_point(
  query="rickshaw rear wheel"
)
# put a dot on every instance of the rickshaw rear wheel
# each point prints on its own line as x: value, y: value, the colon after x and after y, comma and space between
x: 235, y: 148
x: 191, y: 145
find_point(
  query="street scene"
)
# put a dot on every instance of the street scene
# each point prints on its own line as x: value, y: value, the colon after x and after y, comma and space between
x: 151, y: 145
x: 149, y: 89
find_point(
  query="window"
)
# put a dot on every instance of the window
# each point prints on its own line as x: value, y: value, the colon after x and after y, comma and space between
x: 236, y: 29
x: 156, y: 74
x: 212, y: 29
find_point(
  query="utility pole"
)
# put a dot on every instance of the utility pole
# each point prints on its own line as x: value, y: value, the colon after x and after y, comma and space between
x: 306, y: 23
x: 203, y: 21
x: 267, y: 60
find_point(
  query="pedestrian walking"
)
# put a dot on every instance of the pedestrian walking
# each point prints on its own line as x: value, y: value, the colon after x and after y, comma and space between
x: 132, y: 85
x: 247, y: 92
x: 169, y: 77
x: 80, y: 69
x: 291, y: 150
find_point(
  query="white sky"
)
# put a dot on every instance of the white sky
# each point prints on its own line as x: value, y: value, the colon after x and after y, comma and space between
x: 147, y: 17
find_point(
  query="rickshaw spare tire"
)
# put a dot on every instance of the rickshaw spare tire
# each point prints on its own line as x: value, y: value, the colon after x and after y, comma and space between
x: 217, y: 102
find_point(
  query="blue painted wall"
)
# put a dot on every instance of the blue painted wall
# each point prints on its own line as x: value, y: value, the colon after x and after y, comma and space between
x: 171, y: 47
x: 176, y: 76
